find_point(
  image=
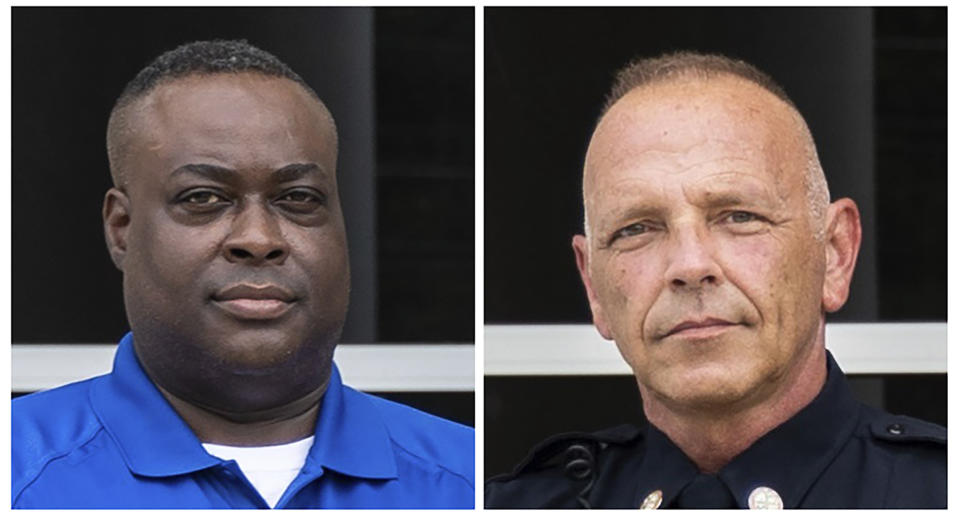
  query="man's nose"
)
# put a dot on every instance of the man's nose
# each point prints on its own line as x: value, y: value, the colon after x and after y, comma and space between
x: 256, y: 238
x: 691, y: 263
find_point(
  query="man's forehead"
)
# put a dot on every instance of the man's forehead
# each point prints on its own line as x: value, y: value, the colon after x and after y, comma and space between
x: 183, y: 95
x: 633, y: 195
x: 245, y: 121
x: 727, y: 91
x: 674, y: 125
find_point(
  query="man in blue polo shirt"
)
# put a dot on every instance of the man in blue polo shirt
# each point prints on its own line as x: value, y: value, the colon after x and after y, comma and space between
x: 225, y: 221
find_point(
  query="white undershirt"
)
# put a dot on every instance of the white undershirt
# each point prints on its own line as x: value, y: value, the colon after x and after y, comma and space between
x: 269, y: 469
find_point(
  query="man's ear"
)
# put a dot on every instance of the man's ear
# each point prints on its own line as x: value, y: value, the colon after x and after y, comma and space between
x: 580, y: 250
x: 842, y: 239
x: 116, y: 223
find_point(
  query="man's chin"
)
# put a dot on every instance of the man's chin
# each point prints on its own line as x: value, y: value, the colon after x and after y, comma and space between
x: 256, y: 351
x: 706, y: 388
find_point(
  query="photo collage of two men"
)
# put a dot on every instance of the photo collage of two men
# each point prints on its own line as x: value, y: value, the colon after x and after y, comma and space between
x: 262, y: 257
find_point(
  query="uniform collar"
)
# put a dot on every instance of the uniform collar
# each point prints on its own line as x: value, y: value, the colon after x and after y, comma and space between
x: 665, y: 467
x: 351, y: 437
x: 788, y: 459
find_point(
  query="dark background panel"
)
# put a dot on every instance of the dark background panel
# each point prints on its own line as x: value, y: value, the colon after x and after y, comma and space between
x: 871, y: 84
x: 425, y: 174
x: 911, y: 164
x: 400, y: 84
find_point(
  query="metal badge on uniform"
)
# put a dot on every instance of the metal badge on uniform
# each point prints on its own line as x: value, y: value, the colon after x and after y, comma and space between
x: 652, y: 501
x: 764, y: 498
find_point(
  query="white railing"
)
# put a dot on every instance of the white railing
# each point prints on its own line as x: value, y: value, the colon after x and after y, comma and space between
x: 859, y: 348
x: 376, y: 368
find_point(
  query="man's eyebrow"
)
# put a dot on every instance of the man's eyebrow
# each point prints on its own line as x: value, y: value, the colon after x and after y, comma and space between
x: 620, y: 214
x: 749, y: 196
x: 291, y: 172
x: 296, y: 171
x: 723, y: 198
x: 206, y: 170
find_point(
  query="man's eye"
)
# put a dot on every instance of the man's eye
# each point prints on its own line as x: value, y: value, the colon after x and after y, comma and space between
x: 742, y: 217
x: 203, y: 198
x: 301, y: 200
x: 299, y: 196
x: 630, y: 231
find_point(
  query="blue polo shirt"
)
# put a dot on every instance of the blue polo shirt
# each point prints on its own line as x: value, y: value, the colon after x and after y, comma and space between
x: 114, y: 442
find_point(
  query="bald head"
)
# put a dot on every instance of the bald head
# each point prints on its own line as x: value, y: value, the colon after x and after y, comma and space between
x: 695, y: 74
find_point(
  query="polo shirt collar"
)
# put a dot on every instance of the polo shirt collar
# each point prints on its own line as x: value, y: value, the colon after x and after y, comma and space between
x: 152, y: 438
x: 350, y: 437
x: 788, y: 459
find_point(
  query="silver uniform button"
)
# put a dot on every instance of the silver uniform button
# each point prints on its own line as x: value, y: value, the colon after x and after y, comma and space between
x: 764, y: 498
x: 652, y: 501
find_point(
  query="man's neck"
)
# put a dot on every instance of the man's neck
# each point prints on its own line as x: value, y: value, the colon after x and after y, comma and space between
x: 712, y: 440
x: 288, y: 423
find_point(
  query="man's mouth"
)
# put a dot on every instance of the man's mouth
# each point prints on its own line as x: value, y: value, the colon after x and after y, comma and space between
x: 698, y: 329
x: 255, y: 302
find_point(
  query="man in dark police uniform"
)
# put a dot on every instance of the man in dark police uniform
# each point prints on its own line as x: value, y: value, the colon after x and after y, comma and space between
x: 711, y: 256
x: 225, y: 221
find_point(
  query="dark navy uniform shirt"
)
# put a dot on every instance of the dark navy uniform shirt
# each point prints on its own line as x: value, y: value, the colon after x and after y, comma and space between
x: 114, y: 442
x: 834, y: 453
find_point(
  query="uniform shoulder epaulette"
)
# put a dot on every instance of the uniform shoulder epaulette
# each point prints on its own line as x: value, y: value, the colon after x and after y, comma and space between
x: 573, y: 451
x: 904, y: 429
